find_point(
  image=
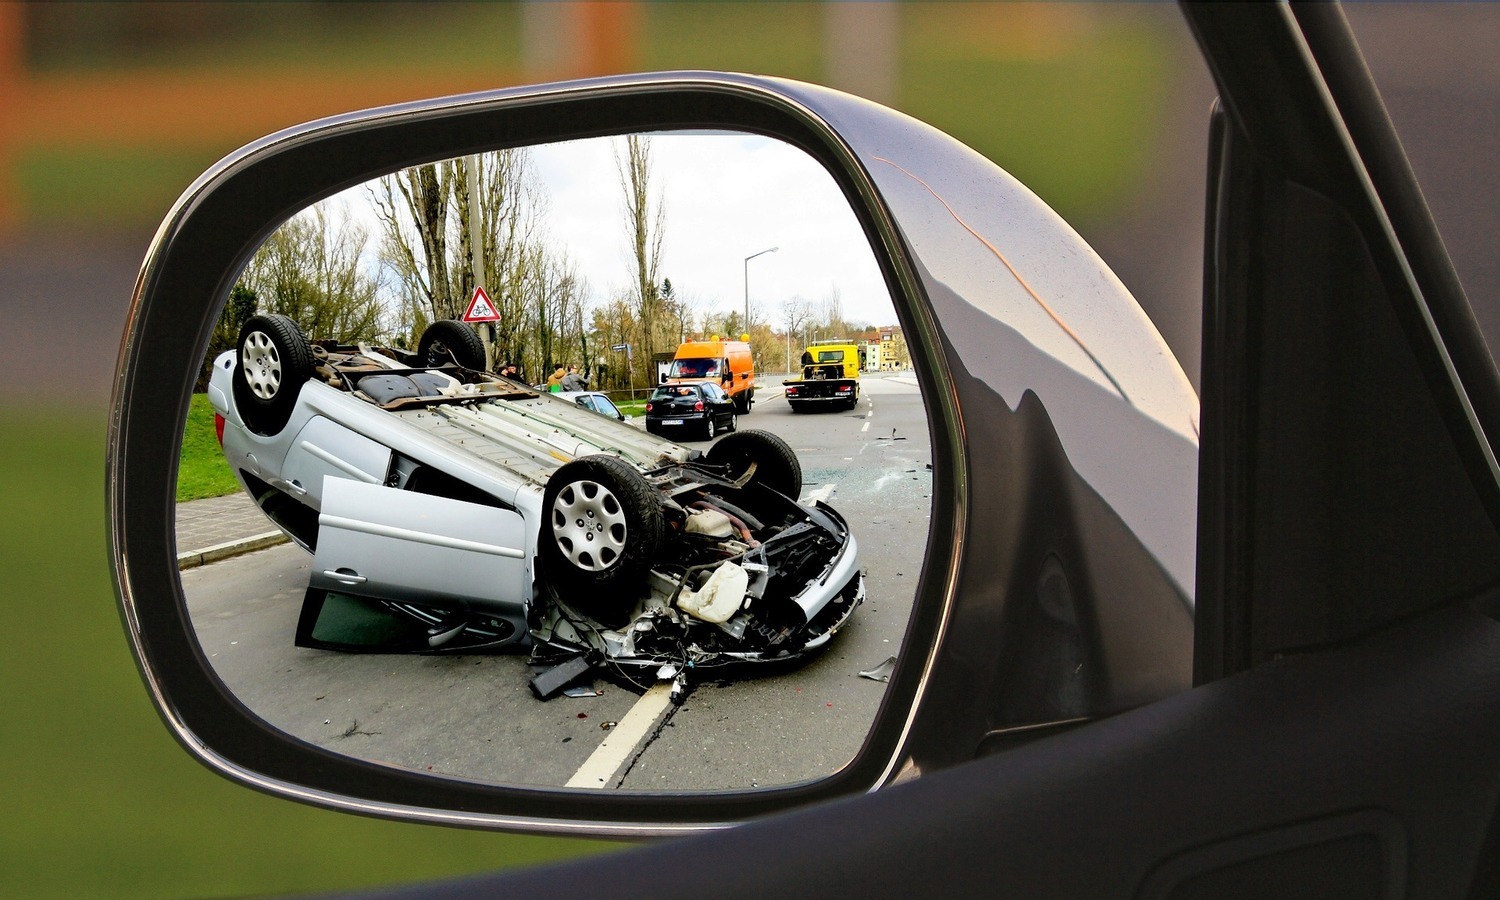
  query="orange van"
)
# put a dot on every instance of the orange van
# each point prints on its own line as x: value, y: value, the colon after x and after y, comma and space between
x: 729, y: 363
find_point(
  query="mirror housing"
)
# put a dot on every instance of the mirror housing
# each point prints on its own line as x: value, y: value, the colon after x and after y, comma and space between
x: 1059, y: 564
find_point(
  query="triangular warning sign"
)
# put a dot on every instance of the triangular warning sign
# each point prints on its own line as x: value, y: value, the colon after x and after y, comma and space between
x: 480, y: 308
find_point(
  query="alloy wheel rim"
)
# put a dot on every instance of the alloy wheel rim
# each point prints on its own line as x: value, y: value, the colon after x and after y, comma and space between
x: 262, y: 365
x: 588, y: 523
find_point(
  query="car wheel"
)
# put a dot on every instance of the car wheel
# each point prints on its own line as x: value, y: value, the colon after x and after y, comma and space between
x: 603, y: 528
x: 734, y: 424
x: 708, y: 427
x: 274, y: 360
x: 776, y: 465
x: 447, y: 341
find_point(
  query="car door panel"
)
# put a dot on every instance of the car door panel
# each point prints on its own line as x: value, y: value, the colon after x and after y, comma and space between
x: 390, y: 544
x: 324, y: 447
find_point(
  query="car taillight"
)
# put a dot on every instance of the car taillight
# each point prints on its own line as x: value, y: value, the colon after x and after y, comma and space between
x: 648, y: 407
x: 698, y: 407
x: 791, y: 392
x: 219, y: 429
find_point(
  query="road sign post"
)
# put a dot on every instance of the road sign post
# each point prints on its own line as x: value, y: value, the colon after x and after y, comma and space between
x: 629, y: 366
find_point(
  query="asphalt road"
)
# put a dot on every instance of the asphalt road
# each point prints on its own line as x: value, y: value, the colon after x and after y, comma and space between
x: 475, y: 716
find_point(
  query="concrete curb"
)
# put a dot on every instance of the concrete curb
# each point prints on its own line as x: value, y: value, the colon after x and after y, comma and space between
x: 194, y: 558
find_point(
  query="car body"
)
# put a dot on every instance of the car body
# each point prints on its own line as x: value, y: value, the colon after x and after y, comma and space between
x: 455, y: 500
x: 701, y: 409
x: 1339, y: 738
x: 598, y: 401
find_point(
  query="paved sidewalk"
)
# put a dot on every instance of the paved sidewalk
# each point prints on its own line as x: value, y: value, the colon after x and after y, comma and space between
x: 220, y: 527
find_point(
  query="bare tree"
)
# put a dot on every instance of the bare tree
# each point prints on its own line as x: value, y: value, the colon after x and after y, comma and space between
x: 681, y: 308
x: 645, y: 222
x: 834, y: 324
x: 313, y: 270
x: 413, y: 206
x: 795, y: 314
x: 614, y: 324
x: 499, y: 208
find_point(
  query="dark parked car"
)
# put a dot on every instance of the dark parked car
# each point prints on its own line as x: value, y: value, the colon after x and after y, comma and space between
x: 1250, y: 651
x: 702, y: 410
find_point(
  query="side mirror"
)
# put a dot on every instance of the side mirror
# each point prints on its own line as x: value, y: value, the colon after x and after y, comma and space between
x: 1023, y: 518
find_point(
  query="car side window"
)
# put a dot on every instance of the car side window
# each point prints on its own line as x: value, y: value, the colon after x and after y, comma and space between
x: 604, y: 405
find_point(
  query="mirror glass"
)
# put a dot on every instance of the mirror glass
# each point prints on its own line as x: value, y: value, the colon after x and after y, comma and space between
x: 596, y: 464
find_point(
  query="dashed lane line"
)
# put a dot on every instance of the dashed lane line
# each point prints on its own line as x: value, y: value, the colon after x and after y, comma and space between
x: 598, y: 771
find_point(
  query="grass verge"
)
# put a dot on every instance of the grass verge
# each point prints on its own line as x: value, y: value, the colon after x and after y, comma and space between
x: 202, y: 471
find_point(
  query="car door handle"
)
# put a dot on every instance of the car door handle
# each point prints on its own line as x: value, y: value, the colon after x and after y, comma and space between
x: 345, y: 576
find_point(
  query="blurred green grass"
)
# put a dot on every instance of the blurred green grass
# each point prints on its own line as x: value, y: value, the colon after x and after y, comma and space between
x: 99, y: 800
x: 201, y: 470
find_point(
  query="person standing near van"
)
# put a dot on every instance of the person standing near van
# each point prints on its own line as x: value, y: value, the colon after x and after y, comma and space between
x: 573, y: 381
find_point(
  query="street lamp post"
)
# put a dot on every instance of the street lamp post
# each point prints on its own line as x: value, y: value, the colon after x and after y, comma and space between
x: 747, y: 282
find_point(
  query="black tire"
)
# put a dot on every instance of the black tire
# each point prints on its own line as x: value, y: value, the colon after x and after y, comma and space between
x: 273, y: 360
x: 602, y: 527
x: 734, y: 424
x: 447, y: 341
x: 776, y: 464
x: 708, y: 426
x: 743, y: 401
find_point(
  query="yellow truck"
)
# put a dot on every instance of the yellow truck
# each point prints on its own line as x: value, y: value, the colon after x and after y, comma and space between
x: 830, y: 377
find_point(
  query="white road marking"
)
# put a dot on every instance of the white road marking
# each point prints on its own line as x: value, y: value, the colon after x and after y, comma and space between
x: 865, y: 427
x: 819, y: 494
x: 598, y: 771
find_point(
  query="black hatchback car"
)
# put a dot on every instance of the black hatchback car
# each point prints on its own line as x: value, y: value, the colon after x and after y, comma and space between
x: 703, y: 409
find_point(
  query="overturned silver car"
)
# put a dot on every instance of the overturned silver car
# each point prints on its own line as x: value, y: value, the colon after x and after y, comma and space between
x: 451, y: 510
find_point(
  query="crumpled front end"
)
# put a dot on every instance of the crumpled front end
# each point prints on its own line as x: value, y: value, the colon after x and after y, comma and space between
x: 744, y: 599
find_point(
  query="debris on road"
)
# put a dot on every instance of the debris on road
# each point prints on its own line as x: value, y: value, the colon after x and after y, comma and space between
x: 882, y: 672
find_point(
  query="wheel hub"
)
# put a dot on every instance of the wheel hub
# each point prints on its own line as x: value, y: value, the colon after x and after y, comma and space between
x: 262, y: 365
x: 589, y: 525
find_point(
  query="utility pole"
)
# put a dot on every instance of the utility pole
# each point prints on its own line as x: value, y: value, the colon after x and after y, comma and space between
x: 476, y: 253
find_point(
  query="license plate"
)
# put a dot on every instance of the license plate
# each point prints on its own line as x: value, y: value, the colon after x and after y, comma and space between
x: 671, y: 421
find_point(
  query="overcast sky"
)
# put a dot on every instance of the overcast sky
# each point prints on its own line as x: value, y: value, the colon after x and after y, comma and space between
x: 726, y: 196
